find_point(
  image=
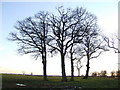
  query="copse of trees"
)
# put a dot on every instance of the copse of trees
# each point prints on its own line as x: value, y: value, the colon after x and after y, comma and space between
x: 104, y: 73
x: 70, y: 31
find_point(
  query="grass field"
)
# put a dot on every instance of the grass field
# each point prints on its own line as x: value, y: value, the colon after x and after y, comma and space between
x: 10, y: 81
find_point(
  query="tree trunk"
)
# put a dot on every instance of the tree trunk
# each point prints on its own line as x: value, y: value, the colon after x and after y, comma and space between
x: 64, y: 78
x: 72, y: 68
x: 44, y: 56
x: 45, y: 71
x: 78, y: 71
x: 44, y: 60
x: 87, y: 71
x: 44, y: 68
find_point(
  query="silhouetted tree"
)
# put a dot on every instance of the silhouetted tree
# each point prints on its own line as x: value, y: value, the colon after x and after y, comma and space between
x: 75, y: 56
x: 78, y: 59
x: 31, y: 37
x: 79, y: 66
x: 65, y: 27
x: 72, y: 65
x: 92, y: 43
x: 77, y: 34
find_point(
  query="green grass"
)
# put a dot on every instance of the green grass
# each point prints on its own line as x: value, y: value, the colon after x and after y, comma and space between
x: 10, y: 81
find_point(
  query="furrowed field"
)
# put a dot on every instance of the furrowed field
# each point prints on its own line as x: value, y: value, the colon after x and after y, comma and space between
x: 54, y: 82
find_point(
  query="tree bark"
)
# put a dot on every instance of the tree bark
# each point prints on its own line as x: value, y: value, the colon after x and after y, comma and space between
x: 72, y: 68
x: 78, y: 71
x: 87, y: 71
x: 64, y: 78
x: 44, y: 56
x: 44, y: 68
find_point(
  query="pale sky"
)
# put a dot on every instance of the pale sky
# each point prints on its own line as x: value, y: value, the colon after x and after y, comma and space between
x: 11, y: 62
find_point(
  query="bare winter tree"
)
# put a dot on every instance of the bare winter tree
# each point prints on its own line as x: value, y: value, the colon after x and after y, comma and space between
x: 92, y: 43
x: 59, y: 41
x: 67, y: 30
x: 114, y: 44
x: 89, y: 38
x: 79, y: 56
x: 79, y: 64
x: 72, y: 51
x: 75, y: 56
x: 31, y: 37
x: 76, y: 37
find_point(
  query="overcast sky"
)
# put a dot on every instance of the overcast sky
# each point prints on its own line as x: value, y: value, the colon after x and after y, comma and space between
x: 11, y: 62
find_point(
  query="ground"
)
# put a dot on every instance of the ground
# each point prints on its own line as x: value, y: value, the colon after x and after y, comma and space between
x: 54, y: 82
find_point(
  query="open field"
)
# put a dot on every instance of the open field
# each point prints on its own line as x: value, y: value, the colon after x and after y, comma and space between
x: 14, y: 81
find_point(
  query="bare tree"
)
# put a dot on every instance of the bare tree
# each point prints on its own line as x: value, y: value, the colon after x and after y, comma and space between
x: 59, y: 40
x: 72, y: 64
x: 31, y: 37
x: 92, y: 43
x: 114, y: 44
x: 74, y: 50
x: 67, y: 30
x: 75, y: 56
x: 79, y: 66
